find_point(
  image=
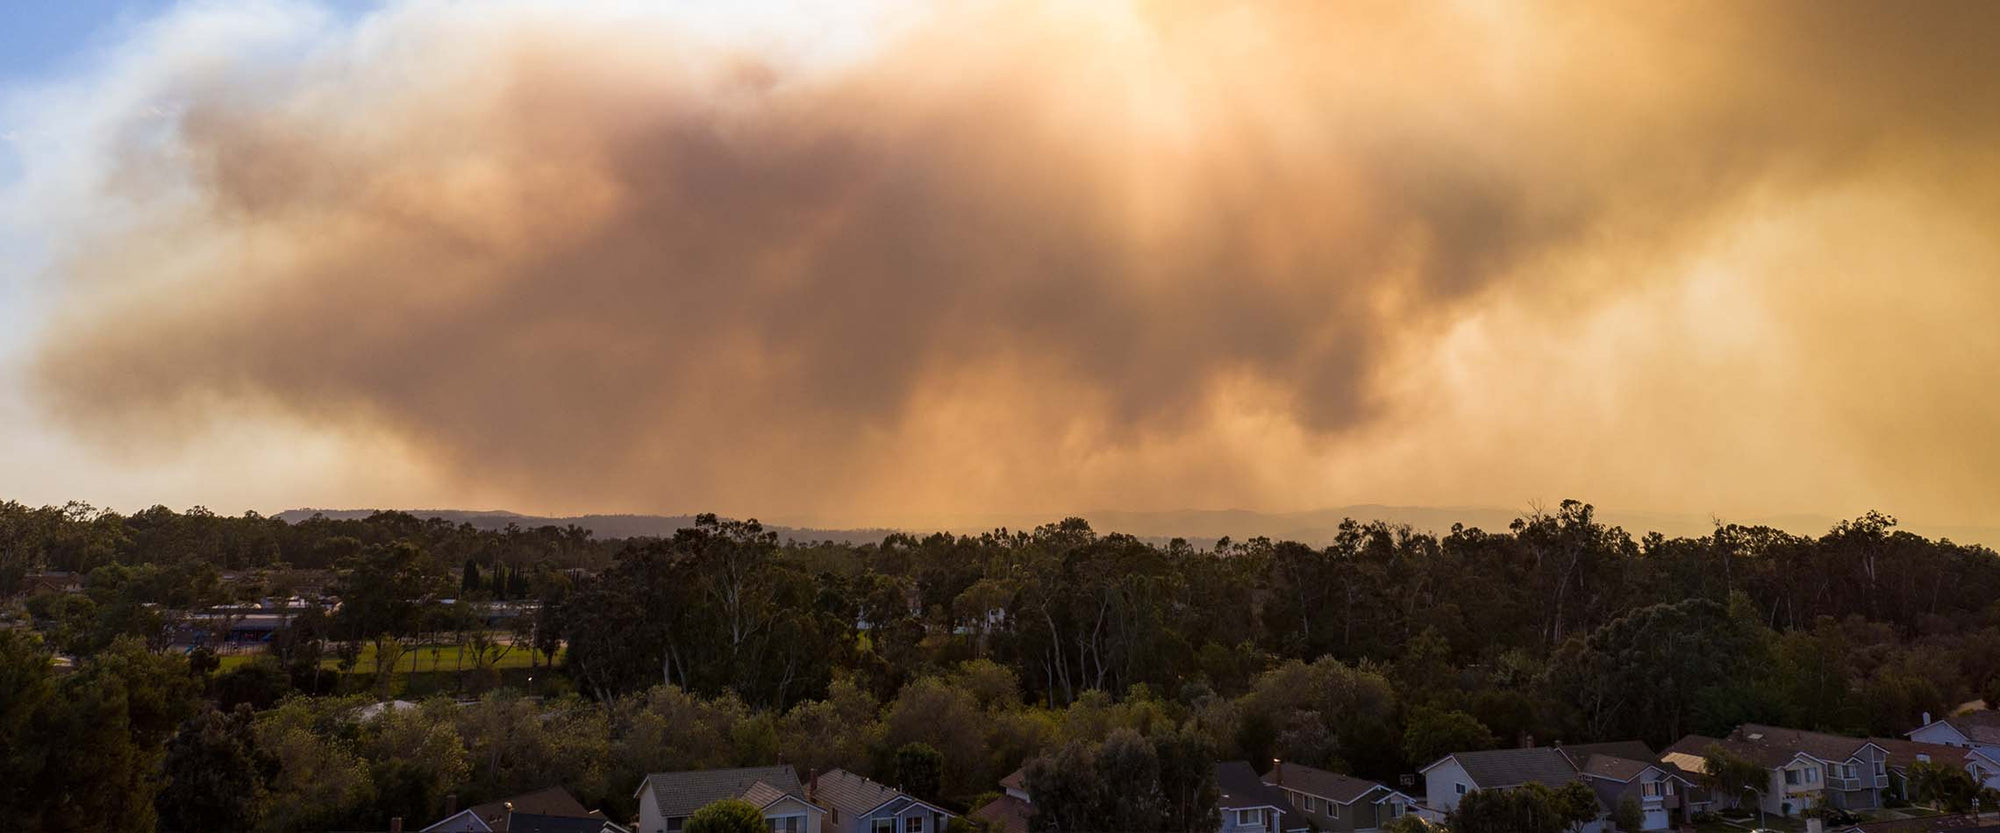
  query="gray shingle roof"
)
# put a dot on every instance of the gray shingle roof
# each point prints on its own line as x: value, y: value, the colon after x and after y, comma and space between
x: 1241, y: 787
x: 682, y: 793
x: 1333, y: 786
x: 1495, y: 768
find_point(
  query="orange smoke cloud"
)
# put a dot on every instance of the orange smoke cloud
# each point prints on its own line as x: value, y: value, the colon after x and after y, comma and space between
x: 1022, y: 257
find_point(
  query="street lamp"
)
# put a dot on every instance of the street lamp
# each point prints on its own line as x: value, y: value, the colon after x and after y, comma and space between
x: 1756, y: 796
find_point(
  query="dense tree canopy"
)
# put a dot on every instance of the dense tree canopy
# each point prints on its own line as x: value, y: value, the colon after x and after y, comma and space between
x: 1095, y: 658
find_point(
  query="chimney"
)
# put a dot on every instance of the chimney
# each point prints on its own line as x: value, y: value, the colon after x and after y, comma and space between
x: 451, y: 805
x: 1278, y: 770
x: 396, y: 825
x: 812, y: 785
x: 1527, y: 741
x: 1927, y: 719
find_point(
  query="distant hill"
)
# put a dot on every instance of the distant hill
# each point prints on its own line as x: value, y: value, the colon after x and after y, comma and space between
x: 601, y: 526
x: 1201, y: 527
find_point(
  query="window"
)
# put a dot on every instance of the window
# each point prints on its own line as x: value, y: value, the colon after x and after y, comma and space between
x: 884, y: 826
x: 1461, y: 789
x: 914, y: 824
x: 1333, y: 809
x: 1669, y: 786
x: 1395, y: 809
x: 674, y: 824
x: 1249, y: 818
x: 1881, y: 768
x: 1650, y: 789
x: 1791, y: 776
x: 786, y: 824
x: 1312, y: 804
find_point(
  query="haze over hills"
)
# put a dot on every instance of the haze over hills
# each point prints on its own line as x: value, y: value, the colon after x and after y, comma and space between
x: 1202, y: 527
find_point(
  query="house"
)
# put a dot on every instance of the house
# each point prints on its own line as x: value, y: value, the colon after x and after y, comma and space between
x: 498, y: 816
x: 666, y: 799
x: 1334, y: 802
x: 1813, y: 769
x: 1614, y: 771
x: 1449, y: 779
x: 855, y: 804
x: 530, y: 823
x: 1009, y: 813
x: 1629, y: 771
x: 1251, y: 806
x: 1795, y: 778
x: 1977, y: 731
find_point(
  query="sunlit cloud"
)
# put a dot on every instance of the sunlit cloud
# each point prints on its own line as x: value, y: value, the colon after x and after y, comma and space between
x: 1039, y: 257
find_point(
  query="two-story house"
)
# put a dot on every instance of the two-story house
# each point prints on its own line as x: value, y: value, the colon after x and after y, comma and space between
x: 1813, y: 769
x: 1338, y: 803
x: 667, y: 799
x: 1977, y: 731
x: 1251, y: 806
x: 1794, y: 780
x: 1615, y: 772
x: 1624, y: 771
x: 855, y: 804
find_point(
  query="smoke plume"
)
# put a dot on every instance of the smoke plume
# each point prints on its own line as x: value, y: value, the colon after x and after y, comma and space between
x: 1063, y: 256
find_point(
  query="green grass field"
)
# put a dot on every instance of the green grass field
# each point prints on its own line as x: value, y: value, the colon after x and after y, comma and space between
x: 445, y: 658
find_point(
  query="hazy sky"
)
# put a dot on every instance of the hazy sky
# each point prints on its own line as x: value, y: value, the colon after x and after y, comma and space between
x: 871, y: 264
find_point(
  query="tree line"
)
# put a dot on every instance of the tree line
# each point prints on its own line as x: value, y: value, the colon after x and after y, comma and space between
x: 1099, y: 655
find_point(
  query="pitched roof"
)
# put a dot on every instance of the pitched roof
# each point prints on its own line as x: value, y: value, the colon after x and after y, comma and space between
x: 763, y: 795
x: 1817, y: 744
x: 902, y: 803
x: 547, y: 801
x: 1903, y: 753
x: 1630, y: 750
x: 1332, y: 786
x: 1241, y: 788
x: 1696, y: 747
x: 1616, y: 769
x: 681, y: 793
x: 1495, y: 768
x: 1006, y: 813
x: 1016, y: 780
x: 1981, y: 726
x: 849, y: 795
x: 531, y: 823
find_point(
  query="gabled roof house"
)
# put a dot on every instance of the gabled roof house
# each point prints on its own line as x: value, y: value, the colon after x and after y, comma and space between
x: 855, y: 804
x: 667, y: 799
x: 1335, y: 802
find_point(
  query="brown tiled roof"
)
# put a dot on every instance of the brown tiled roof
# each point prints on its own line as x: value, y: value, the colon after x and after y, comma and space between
x: 1631, y: 750
x: 1332, y: 786
x: 1903, y: 752
x: 1697, y: 746
x: 1981, y: 726
x: 1817, y: 744
x: 762, y: 794
x: 1016, y: 780
x: 1617, y: 769
x: 1006, y: 813
x: 848, y: 795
